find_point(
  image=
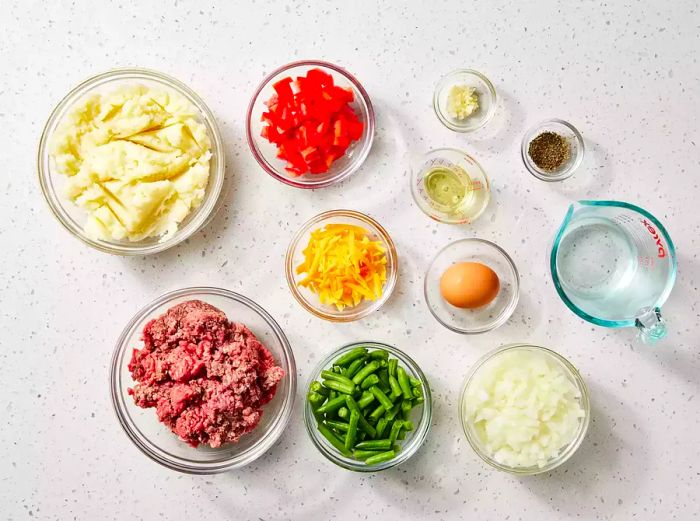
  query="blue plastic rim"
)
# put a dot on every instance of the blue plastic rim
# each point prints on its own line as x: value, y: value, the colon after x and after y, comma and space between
x: 555, y: 248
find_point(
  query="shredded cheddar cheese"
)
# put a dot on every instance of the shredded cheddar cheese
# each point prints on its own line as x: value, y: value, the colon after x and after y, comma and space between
x: 343, y: 266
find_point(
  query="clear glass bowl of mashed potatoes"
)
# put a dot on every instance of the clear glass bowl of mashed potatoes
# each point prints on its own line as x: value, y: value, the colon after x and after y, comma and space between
x: 131, y: 162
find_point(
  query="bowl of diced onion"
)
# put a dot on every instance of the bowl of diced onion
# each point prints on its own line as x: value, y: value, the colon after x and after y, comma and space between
x: 524, y: 409
x: 341, y: 265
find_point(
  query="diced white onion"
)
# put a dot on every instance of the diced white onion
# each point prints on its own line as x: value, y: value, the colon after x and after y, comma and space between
x: 524, y: 408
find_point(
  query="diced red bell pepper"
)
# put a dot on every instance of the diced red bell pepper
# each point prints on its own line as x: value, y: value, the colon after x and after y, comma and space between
x: 310, y: 154
x: 311, y: 122
x: 283, y: 88
x: 319, y: 77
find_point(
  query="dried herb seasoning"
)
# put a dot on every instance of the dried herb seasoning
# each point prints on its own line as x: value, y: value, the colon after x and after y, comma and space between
x: 549, y: 151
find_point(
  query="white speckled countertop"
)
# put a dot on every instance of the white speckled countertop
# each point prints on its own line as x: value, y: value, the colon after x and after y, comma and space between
x: 626, y: 74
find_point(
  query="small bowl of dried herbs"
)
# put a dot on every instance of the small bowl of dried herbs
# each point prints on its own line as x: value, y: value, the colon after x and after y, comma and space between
x: 552, y: 150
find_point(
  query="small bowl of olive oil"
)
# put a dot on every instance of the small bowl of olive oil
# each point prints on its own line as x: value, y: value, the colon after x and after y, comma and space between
x: 450, y: 186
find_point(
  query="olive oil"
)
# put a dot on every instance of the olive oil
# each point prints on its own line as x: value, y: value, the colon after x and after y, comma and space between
x: 449, y: 188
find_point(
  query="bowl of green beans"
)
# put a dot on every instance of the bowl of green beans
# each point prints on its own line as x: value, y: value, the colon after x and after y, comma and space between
x: 368, y: 407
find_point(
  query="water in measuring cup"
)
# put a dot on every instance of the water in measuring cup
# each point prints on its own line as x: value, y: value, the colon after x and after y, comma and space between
x: 611, y: 267
x: 596, y: 258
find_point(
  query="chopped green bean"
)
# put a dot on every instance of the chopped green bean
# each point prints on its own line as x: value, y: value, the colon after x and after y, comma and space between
x: 395, y: 428
x: 330, y: 375
x: 365, y: 372
x: 351, y: 435
x: 383, y: 375
x: 364, y: 454
x: 366, y: 399
x: 338, y: 426
x: 391, y: 413
x: 363, y: 424
x: 393, y: 364
x: 381, y: 425
x: 395, y: 387
x: 381, y: 397
x: 317, y: 387
x: 315, y: 400
x: 381, y: 457
x: 387, y: 429
x: 371, y: 380
x: 350, y: 356
x: 332, y: 405
x: 382, y: 354
x: 333, y: 439
x: 362, y: 403
x: 377, y: 413
x: 355, y: 366
x: 405, y: 384
x: 384, y: 444
x: 341, y: 387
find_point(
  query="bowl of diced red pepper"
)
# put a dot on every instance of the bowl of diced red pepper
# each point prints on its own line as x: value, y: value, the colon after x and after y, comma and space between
x: 310, y: 124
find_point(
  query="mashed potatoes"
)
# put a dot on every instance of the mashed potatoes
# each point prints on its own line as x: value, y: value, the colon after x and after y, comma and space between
x: 137, y: 160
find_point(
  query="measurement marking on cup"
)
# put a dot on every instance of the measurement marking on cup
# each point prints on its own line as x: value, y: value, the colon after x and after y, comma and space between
x: 655, y: 235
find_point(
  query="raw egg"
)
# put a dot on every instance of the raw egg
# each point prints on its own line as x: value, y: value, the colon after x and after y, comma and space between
x: 469, y: 285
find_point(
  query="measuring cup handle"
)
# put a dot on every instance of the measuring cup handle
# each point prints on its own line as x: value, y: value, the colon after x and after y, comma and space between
x: 651, y: 325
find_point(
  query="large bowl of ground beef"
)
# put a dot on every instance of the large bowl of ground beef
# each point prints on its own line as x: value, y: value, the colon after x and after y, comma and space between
x: 203, y: 380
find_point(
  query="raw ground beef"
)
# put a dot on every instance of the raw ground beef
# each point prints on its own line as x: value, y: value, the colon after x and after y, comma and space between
x: 207, y: 377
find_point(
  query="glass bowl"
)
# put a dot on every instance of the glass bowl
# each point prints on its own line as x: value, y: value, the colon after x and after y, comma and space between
x: 477, y: 192
x: 266, y: 153
x: 572, y: 136
x: 307, y: 298
x: 72, y: 216
x: 485, y: 318
x: 156, y: 440
x: 487, y: 100
x: 421, y: 415
x: 567, y: 451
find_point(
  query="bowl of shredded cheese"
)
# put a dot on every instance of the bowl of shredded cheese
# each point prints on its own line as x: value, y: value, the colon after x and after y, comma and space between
x: 341, y: 265
x: 524, y: 409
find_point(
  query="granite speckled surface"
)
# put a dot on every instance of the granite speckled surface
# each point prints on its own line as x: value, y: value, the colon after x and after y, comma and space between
x: 625, y: 73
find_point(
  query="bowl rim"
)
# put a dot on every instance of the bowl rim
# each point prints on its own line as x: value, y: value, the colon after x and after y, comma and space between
x: 585, y: 405
x: 507, y: 311
x: 189, y: 466
x: 389, y: 285
x: 531, y: 167
x: 420, y: 434
x: 368, y: 133
x: 442, y: 83
x: 207, y: 208
x: 422, y: 205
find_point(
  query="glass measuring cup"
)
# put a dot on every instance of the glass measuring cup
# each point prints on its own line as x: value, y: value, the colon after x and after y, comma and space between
x: 449, y: 186
x: 614, y: 265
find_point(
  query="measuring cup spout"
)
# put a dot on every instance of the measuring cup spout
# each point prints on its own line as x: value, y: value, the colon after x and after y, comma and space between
x: 651, y: 325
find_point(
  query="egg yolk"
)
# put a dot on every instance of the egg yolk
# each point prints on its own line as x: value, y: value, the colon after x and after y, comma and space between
x: 469, y: 285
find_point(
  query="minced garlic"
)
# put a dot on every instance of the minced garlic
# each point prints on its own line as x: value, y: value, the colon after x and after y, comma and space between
x: 462, y: 101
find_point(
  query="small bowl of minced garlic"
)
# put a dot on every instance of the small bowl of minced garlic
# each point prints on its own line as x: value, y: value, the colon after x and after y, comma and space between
x: 464, y: 100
